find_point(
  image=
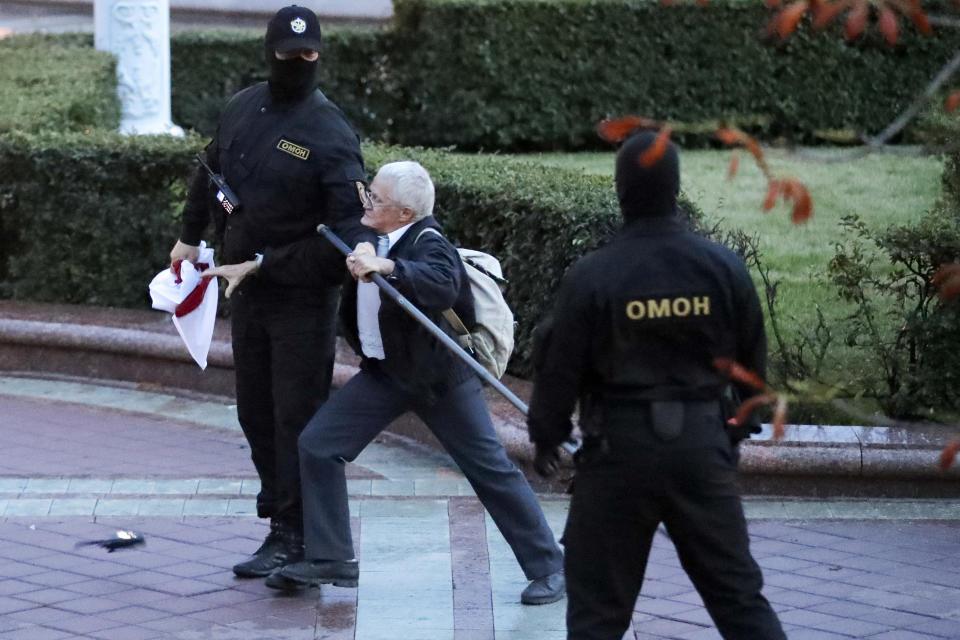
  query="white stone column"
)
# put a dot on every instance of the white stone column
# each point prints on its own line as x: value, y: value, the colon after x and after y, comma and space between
x: 138, y: 33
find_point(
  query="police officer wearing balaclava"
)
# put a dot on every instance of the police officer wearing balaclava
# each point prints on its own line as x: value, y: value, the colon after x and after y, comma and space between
x: 636, y: 328
x: 293, y: 162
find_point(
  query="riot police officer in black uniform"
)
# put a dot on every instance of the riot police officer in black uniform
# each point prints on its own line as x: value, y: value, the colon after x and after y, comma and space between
x: 292, y: 161
x: 636, y: 328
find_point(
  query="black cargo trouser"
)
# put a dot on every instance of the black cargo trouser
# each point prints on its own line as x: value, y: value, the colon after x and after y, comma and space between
x: 620, y: 496
x: 283, y: 349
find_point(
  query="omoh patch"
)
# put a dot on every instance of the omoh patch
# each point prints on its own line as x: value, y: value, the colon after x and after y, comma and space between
x: 301, y: 153
x: 298, y: 25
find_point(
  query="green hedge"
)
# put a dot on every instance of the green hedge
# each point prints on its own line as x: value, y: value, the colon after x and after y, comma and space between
x: 54, y: 83
x: 531, y: 74
x: 89, y: 218
x: 538, y: 74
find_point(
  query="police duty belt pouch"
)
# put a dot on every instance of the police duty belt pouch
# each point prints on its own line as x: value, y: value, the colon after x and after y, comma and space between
x: 491, y: 339
x: 666, y: 419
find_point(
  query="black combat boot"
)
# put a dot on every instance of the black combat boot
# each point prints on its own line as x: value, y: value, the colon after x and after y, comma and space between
x: 283, y: 546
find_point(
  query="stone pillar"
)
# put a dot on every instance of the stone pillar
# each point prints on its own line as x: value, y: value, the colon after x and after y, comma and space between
x: 138, y: 33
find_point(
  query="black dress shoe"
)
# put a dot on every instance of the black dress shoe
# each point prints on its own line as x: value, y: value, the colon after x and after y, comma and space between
x: 282, y: 546
x: 313, y: 573
x: 545, y: 590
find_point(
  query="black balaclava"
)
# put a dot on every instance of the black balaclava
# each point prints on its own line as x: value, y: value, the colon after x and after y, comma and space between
x: 291, y: 29
x: 647, y: 192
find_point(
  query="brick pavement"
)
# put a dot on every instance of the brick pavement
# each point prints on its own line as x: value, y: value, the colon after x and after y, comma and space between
x: 81, y: 461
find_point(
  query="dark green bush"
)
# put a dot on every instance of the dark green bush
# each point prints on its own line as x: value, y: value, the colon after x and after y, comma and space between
x: 57, y: 83
x: 538, y: 74
x: 532, y: 74
x: 88, y: 218
x: 899, y: 323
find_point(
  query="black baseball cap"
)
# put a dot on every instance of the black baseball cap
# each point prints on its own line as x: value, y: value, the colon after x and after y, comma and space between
x: 293, y: 28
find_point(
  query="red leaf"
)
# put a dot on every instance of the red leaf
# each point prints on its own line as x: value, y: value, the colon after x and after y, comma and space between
x: 779, y: 418
x: 754, y: 148
x: 738, y: 372
x: 790, y: 18
x: 773, y: 190
x: 702, y: 3
x: 953, y: 100
x: 949, y: 454
x: 750, y: 405
x: 618, y: 130
x: 857, y: 19
x: 947, y: 281
x: 922, y: 22
x: 733, y: 136
x: 654, y: 152
x: 802, y: 203
x: 734, y: 165
x: 888, y: 25
x: 825, y: 12
x: 775, y: 4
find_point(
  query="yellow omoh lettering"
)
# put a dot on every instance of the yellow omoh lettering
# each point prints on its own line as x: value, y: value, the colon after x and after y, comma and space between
x: 681, y: 307
x: 701, y: 306
x: 659, y: 309
x: 636, y: 310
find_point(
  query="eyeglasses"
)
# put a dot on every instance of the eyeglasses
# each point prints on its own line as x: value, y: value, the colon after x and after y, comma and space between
x: 370, y: 200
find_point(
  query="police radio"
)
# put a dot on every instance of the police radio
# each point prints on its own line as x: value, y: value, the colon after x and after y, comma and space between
x: 225, y: 195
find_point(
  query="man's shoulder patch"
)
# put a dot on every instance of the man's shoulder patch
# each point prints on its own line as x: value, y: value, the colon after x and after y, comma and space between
x: 295, y: 150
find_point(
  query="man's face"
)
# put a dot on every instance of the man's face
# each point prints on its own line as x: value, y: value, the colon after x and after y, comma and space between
x: 307, y: 54
x: 380, y: 212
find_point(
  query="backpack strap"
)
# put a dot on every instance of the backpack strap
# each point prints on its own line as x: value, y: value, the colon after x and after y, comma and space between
x: 449, y: 314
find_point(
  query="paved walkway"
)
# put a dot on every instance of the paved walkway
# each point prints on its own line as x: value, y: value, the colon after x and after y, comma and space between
x: 79, y: 461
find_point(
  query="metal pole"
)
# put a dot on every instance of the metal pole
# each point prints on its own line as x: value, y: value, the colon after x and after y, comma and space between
x: 570, y: 446
x: 428, y: 324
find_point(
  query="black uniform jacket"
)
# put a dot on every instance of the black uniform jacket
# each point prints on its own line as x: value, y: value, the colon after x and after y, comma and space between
x: 429, y: 273
x: 292, y: 166
x: 643, y: 318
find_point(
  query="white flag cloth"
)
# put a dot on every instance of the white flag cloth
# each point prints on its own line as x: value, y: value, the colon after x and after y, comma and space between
x: 193, y: 315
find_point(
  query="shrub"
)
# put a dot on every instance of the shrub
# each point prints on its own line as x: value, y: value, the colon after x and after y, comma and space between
x: 534, y: 74
x: 538, y: 74
x: 899, y: 323
x: 60, y: 83
x: 88, y: 218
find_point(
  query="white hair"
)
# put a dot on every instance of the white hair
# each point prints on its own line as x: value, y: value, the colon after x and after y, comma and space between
x: 411, y: 186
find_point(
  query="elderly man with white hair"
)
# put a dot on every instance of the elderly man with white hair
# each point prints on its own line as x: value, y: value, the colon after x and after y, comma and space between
x: 405, y: 368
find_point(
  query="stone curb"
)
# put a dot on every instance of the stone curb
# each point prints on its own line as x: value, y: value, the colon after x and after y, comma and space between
x: 819, y: 460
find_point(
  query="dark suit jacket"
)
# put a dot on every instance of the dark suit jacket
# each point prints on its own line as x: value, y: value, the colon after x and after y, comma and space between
x: 430, y: 274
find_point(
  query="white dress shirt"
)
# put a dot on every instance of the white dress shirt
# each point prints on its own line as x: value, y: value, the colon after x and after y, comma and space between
x: 368, y: 302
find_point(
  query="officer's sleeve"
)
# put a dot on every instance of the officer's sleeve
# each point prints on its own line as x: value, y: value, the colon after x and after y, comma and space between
x: 432, y: 279
x: 196, y: 211
x: 561, y: 360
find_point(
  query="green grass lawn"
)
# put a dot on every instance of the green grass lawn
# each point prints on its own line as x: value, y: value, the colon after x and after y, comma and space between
x: 883, y: 189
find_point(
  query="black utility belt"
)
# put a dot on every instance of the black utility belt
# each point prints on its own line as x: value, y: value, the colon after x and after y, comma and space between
x: 666, y: 418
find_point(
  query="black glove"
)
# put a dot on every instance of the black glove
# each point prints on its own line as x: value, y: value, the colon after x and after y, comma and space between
x: 547, y: 460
